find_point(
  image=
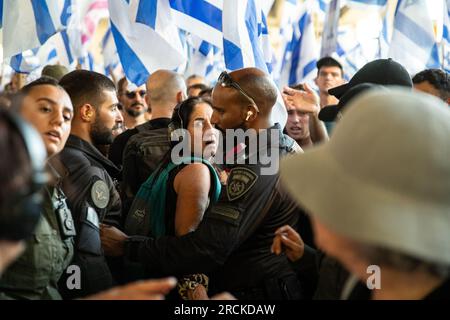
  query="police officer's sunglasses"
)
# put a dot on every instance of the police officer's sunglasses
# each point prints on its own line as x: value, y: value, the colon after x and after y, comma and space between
x: 132, y: 94
x: 225, y: 80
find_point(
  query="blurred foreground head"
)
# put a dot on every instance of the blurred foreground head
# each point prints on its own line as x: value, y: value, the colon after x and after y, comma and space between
x: 378, y: 192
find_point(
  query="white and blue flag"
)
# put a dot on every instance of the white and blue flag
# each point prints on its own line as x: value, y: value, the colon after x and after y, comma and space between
x: 109, y: 51
x: 204, y: 59
x: 30, y: 23
x: 87, y: 63
x: 446, y: 38
x: 301, y: 54
x: 242, y: 28
x: 413, y: 41
x: 202, y: 18
x: 145, y: 37
x: 63, y: 47
x: 330, y: 29
x: 25, y: 62
x: 34, y: 60
x: 288, y: 18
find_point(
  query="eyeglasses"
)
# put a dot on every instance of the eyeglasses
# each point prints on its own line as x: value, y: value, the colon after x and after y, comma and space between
x: 225, y: 80
x: 132, y: 94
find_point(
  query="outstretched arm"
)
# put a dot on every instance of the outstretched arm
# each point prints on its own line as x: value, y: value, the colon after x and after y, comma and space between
x: 308, y: 101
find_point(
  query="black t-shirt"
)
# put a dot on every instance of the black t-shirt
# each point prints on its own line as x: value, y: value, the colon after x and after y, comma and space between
x: 117, y: 147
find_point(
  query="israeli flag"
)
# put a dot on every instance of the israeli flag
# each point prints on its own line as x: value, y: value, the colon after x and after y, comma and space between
x: 242, y: 23
x: 66, y: 56
x: 34, y: 60
x: 145, y: 37
x: 30, y: 23
x: 87, y: 63
x: 109, y: 51
x: 200, y: 56
x: 288, y: 19
x: 263, y: 34
x: 446, y: 38
x: 330, y: 29
x: 243, y: 43
x: 25, y: 62
x: 202, y: 18
x: 290, y: 12
x: 205, y: 59
x: 74, y: 31
x: 301, y: 53
x: 413, y: 42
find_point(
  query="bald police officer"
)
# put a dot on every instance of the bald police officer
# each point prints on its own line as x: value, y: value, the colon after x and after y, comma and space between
x: 232, y: 243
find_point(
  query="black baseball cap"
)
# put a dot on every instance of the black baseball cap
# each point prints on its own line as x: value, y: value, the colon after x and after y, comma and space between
x: 381, y: 71
x: 330, y: 112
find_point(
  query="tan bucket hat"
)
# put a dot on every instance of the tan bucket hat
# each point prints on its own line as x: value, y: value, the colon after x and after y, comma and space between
x: 384, y: 177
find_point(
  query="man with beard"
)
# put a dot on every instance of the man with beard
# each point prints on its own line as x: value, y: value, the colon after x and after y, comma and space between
x: 133, y: 106
x: 232, y: 243
x: 87, y: 181
x: 134, y: 103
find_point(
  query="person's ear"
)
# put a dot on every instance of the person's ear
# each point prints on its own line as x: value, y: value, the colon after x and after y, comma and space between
x: 315, y: 80
x: 250, y: 114
x: 147, y: 99
x: 87, y: 113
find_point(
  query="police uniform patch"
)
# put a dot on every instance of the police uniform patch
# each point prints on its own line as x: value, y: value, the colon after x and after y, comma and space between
x: 226, y: 213
x: 240, y: 181
x: 100, y: 194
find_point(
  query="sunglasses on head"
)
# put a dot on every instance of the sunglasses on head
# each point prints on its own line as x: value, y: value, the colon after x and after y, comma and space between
x: 132, y: 94
x: 225, y: 80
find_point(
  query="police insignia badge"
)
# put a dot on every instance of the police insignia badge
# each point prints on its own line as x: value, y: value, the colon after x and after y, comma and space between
x: 240, y: 181
x: 100, y: 194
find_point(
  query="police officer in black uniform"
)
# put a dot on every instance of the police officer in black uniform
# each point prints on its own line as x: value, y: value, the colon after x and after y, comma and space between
x: 232, y: 243
x: 91, y: 192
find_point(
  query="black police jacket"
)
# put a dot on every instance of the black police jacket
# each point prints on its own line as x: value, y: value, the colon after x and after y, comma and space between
x: 232, y: 243
x: 93, y: 199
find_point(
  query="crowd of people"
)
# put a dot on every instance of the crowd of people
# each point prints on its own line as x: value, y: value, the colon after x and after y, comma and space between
x: 105, y: 186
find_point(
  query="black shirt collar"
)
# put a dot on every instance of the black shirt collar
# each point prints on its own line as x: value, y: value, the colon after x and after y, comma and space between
x: 155, y: 124
x: 87, y: 148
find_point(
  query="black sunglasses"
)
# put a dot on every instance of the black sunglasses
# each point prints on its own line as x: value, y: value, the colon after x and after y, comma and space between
x: 132, y: 94
x: 225, y: 80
